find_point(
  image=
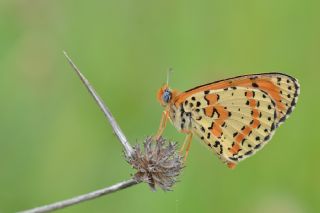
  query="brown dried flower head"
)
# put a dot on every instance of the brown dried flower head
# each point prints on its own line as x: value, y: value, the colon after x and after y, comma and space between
x: 157, y: 164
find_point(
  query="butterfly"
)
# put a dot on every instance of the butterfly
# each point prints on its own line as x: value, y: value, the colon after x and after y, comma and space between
x: 234, y: 117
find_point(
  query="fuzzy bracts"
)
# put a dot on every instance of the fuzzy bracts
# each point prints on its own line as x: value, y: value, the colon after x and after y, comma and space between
x: 157, y: 164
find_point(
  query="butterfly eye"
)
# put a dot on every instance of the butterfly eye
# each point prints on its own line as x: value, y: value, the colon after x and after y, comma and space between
x: 166, y: 97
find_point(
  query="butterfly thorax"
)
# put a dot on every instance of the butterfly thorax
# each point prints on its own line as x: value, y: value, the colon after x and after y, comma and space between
x: 180, y: 118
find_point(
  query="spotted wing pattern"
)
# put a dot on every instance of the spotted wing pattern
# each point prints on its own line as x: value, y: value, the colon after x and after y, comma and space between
x: 236, y: 117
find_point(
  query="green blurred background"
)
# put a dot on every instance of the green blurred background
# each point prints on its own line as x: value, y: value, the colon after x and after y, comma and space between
x: 55, y: 142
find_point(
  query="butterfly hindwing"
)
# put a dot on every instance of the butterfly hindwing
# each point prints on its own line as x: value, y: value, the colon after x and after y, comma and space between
x: 234, y: 122
x: 235, y: 117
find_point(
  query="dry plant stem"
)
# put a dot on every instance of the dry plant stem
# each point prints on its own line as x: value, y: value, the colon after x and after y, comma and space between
x: 116, y: 129
x: 127, y: 148
x: 82, y: 198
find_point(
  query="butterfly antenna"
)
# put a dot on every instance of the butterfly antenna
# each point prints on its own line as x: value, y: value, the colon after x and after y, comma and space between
x: 170, y: 70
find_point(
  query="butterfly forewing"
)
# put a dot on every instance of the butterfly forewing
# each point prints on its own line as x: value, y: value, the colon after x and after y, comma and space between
x: 237, y: 116
x: 234, y: 122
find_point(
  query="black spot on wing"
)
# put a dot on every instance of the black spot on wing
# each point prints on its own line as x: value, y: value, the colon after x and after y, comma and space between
x: 216, y: 144
x: 199, y: 118
x: 210, y: 127
x: 233, y: 158
x: 257, y: 146
x: 255, y: 85
x: 248, y: 152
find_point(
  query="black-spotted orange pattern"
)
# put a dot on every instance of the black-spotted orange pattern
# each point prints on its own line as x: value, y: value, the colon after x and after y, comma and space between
x: 235, y: 117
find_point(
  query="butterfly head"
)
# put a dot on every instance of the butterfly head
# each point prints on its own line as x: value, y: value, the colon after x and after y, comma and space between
x: 165, y: 95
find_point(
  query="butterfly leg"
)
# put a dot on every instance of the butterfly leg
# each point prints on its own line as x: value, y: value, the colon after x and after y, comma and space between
x: 163, y: 123
x: 188, y: 141
x: 184, y: 142
x: 182, y: 147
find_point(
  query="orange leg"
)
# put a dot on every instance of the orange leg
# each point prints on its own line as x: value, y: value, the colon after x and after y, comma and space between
x: 163, y: 123
x: 183, y: 145
x: 188, y: 140
x: 185, y: 141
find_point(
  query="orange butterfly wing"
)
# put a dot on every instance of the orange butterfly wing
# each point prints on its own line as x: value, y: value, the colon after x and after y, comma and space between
x: 237, y: 116
x: 282, y: 88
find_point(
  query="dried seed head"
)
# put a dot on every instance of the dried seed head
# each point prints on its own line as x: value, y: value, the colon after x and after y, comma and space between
x: 158, y: 164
